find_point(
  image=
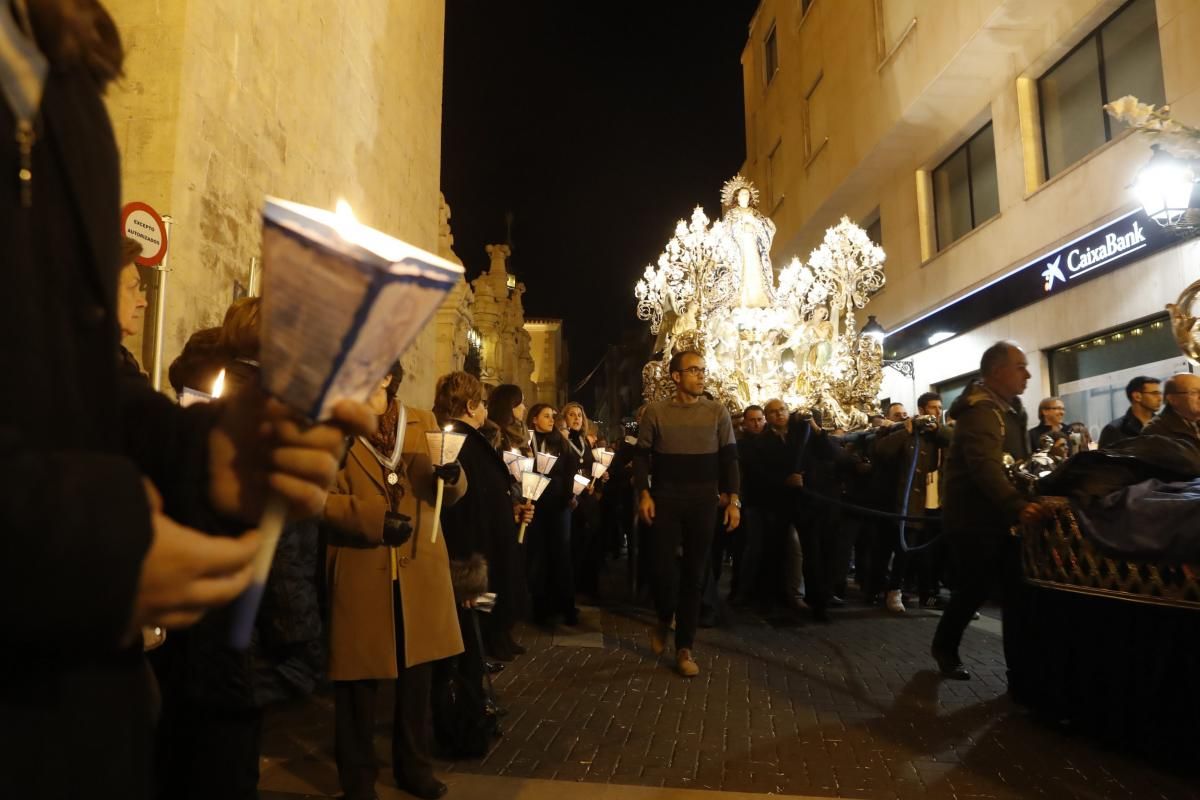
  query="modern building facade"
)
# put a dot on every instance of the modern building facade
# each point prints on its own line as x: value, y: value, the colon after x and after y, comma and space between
x: 969, y: 139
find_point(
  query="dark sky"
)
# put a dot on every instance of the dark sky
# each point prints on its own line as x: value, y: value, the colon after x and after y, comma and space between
x: 597, y: 131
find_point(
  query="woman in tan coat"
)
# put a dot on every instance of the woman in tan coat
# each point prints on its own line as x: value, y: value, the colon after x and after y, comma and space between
x: 392, y: 610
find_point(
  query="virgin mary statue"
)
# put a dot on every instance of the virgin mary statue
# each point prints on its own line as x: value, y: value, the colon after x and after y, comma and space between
x: 751, y: 233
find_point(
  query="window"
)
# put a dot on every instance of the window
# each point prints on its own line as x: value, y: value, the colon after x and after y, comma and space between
x: 965, y: 193
x: 1120, y: 57
x: 874, y: 228
x: 774, y: 176
x: 770, y: 56
x: 1090, y: 375
x: 813, y: 121
x: 894, y: 19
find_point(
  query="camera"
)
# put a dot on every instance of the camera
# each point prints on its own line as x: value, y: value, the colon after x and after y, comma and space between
x: 397, y: 528
x: 925, y: 422
x: 631, y: 431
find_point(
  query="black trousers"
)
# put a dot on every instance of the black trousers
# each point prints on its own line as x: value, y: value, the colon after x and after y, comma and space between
x: 550, y: 567
x: 685, y: 523
x: 354, y: 724
x: 985, y: 562
x: 817, y: 527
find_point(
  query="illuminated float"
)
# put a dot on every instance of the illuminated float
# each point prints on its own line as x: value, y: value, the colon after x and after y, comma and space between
x: 714, y: 290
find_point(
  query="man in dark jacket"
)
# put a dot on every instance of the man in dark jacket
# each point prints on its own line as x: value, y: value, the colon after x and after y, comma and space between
x: 1145, y: 398
x: 923, y: 494
x: 1180, y: 418
x: 981, y: 504
x: 91, y: 504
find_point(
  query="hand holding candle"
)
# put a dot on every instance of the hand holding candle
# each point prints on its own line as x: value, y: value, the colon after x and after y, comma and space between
x: 598, y: 469
x: 444, y: 447
x: 340, y: 302
x: 532, y: 487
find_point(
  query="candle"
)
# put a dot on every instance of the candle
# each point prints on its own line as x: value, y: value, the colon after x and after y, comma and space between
x: 579, y: 484
x: 444, y: 447
x: 218, y: 385
x: 532, y: 487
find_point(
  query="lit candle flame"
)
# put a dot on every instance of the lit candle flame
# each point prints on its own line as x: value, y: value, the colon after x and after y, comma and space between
x: 218, y: 385
x: 353, y: 231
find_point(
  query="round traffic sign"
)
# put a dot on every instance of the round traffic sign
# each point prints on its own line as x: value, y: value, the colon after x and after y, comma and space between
x: 143, y: 224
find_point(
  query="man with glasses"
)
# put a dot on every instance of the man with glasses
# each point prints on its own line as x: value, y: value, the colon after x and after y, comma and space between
x: 1050, y: 413
x: 1145, y: 399
x: 686, y: 468
x: 1180, y: 418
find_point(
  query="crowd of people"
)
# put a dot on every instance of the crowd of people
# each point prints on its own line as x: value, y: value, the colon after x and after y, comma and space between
x: 130, y: 517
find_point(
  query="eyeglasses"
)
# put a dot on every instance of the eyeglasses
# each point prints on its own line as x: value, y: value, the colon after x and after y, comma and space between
x: 694, y: 370
x: 1156, y: 391
x: 1187, y: 392
x: 1055, y: 408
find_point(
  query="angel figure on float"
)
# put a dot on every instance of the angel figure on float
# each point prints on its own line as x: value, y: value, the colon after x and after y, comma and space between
x: 746, y: 228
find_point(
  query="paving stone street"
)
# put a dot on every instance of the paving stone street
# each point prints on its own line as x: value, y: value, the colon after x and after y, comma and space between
x: 849, y: 709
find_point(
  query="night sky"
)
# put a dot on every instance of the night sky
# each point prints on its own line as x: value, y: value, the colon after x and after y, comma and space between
x: 597, y: 132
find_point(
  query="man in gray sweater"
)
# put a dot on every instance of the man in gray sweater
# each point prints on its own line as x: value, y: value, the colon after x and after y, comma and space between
x: 686, y: 468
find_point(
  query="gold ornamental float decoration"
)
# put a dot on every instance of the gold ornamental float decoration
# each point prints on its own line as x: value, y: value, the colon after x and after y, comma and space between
x: 795, y: 338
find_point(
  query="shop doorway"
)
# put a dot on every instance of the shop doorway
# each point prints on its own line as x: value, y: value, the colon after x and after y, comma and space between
x: 1090, y: 374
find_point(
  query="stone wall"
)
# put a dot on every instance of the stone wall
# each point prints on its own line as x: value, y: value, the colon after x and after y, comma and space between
x: 226, y: 101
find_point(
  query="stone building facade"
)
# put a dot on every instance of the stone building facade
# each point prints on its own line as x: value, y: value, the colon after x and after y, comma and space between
x: 226, y: 101
x: 969, y: 139
x: 499, y: 319
x: 549, y: 351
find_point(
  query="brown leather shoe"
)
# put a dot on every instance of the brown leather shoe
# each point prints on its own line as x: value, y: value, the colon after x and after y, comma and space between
x: 684, y: 663
x: 658, y: 639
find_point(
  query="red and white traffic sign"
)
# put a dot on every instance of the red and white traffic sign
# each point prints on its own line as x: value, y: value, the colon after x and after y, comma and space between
x: 143, y: 224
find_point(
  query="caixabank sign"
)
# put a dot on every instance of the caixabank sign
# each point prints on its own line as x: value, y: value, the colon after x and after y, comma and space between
x: 1113, y: 245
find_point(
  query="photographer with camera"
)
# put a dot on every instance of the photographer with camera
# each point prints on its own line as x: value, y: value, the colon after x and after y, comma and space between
x: 923, y: 493
x: 392, y: 610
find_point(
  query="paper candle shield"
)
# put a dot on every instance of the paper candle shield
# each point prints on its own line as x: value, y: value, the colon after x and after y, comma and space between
x: 510, y: 456
x: 545, y: 462
x: 580, y: 484
x: 533, y: 484
x: 521, y: 466
x: 605, y: 457
x: 444, y: 446
x: 340, y: 302
x: 598, y: 469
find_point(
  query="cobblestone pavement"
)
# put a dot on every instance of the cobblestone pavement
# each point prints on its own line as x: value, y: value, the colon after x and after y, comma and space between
x: 849, y: 709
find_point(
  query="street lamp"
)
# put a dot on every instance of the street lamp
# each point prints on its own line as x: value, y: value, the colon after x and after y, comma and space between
x: 1164, y: 188
x: 874, y: 330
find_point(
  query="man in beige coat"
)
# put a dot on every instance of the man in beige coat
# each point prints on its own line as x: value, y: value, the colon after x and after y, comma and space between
x: 392, y: 610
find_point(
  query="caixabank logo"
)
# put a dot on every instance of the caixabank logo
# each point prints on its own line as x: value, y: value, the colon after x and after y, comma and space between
x: 1098, y: 249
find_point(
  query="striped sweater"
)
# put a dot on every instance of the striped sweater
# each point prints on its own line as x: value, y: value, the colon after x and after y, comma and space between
x: 686, y: 450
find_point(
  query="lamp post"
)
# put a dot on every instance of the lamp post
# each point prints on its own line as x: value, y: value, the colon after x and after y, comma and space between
x: 873, y: 330
x: 1165, y: 187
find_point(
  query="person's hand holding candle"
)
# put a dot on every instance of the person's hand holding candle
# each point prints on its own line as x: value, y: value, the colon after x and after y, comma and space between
x: 258, y: 446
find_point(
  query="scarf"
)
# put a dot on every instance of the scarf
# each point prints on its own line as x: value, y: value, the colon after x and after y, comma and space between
x: 384, y: 438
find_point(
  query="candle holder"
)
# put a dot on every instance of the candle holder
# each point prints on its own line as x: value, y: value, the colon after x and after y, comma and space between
x: 580, y: 483
x: 545, y: 462
x: 598, y: 470
x: 604, y: 456
x: 533, y: 484
x: 444, y: 447
x: 520, y: 466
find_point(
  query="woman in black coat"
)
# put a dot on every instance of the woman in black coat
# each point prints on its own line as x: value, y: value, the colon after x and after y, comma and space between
x: 548, y: 540
x: 481, y: 529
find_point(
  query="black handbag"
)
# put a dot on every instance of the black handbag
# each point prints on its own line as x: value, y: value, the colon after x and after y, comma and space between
x: 464, y: 720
